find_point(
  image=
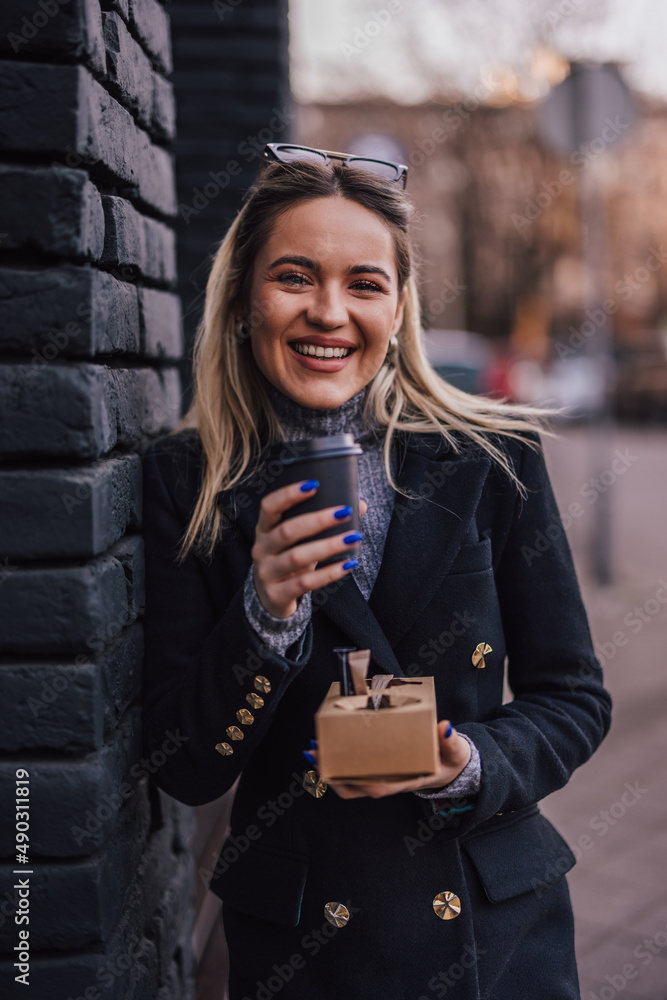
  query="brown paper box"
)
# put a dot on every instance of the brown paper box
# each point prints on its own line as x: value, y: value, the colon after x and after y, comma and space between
x: 388, y: 744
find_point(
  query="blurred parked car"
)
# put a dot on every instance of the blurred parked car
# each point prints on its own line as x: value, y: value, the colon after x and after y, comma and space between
x: 461, y: 358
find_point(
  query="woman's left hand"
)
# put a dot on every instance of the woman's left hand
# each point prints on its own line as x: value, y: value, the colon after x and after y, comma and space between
x: 454, y: 755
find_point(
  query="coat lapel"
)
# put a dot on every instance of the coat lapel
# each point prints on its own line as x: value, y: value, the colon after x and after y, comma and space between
x: 422, y: 541
x: 424, y: 535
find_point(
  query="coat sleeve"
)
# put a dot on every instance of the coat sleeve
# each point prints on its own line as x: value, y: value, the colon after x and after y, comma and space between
x: 200, y: 666
x: 561, y: 711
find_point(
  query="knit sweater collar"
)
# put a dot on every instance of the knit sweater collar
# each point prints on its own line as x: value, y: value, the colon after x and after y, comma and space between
x: 305, y: 422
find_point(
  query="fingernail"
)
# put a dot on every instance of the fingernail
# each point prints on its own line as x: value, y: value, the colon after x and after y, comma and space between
x: 313, y: 744
x: 450, y: 730
x: 342, y: 512
x: 364, y: 499
x: 312, y: 484
x: 350, y: 564
x: 309, y: 757
x: 356, y: 536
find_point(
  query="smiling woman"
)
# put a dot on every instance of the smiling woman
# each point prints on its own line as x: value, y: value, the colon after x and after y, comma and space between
x: 311, y: 327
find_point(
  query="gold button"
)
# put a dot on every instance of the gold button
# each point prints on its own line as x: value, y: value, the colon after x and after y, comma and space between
x: 337, y: 914
x: 313, y: 784
x: 255, y: 700
x: 481, y: 649
x: 447, y: 905
x: 245, y: 717
x: 224, y: 749
x: 234, y: 733
x: 262, y: 684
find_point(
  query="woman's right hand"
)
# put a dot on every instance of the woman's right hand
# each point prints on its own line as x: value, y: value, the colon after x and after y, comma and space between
x: 284, y: 570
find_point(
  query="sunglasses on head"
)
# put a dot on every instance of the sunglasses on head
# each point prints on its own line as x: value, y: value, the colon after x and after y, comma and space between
x: 286, y: 153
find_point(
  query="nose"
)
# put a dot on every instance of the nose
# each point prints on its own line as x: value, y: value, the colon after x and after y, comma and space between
x: 326, y: 308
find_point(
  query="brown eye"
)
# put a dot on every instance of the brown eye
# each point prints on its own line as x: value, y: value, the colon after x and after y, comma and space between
x: 364, y: 285
x: 293, y: 278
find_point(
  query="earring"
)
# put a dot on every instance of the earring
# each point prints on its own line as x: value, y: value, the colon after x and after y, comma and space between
x: 241, y: 328
x: 393, y: 340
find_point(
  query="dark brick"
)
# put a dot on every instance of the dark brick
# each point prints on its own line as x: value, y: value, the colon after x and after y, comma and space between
x: 161, y: 324
x: 123, y: 8
x: 129, y: 552
x: 80, y: 901
x: 128, y: 955
x: 63, y: 111
x: 67, y: 312
x: 135, y: 241
x: 165, y: 923
x: 73, y: 704
x: 83, y: 410
x: 54, y: 213
x: 155, y: 175
x: 151, y: 24
x: 182, y: 819
x: 174, y: 988
x: 205, y: 17
x: 69, y: 512
x: 163, y: 118
x: 158, y: 863
x: 129, y: 70
x: 72, y: 608
x: 73, y: 29
x: 76, y: 803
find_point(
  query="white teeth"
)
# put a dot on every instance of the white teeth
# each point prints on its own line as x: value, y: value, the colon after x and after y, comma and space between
x: 321, y: 352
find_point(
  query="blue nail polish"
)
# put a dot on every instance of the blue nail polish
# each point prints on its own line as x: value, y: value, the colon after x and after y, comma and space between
x: 356, y: 536
x: 449, y: 732
x: 363, y: 498
x: 313, y: 744
x: 312, y: 484
x: 342, y: 512
x: 350, y: 564
x: 309, y: 757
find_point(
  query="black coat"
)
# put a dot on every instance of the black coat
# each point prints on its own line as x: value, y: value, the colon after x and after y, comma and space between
x: 470, y: 562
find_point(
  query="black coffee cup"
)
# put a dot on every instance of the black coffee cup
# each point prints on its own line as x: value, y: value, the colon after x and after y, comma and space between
x: 333, y: 461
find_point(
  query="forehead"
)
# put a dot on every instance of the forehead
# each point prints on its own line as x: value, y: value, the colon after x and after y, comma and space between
x: 327, y: 229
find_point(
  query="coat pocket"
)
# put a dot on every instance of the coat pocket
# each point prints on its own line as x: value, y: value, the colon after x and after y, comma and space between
x: 264, y: 882
x: 526, y: 854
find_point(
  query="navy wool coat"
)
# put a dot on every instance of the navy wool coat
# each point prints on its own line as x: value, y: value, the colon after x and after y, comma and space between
x: 467, y: 562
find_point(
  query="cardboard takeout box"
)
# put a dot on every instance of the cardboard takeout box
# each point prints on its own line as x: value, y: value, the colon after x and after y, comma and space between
x: 393, y: 743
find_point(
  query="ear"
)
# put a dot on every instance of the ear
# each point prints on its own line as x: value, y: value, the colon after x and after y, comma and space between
x: 400, y: 309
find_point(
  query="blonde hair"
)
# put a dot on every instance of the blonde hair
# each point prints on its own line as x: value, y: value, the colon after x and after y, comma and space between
x: 231, y: 409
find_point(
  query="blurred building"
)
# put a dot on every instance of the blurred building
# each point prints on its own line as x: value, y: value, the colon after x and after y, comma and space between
x: 499, y: 232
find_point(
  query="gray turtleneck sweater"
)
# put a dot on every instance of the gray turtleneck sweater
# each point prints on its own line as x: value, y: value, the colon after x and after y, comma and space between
x: 279, y: 634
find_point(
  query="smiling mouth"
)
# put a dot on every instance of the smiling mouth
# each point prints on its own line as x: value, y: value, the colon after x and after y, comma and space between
x: 313, y: 351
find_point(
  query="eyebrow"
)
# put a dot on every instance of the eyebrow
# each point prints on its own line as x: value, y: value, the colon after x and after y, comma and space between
x: 312, y: 265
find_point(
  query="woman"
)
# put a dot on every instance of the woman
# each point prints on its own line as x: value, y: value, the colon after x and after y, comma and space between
x: 405, y: 890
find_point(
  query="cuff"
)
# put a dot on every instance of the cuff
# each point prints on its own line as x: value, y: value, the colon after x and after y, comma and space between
x: 465, y: 784
x: 277, y: 633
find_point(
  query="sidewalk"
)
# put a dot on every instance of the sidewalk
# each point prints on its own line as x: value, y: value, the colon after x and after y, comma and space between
x: 613, y: 813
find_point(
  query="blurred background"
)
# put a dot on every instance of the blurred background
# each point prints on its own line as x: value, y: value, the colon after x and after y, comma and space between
x: 536, y: 139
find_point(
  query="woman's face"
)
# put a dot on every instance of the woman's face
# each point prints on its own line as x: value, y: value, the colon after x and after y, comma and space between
x: 326, y: 282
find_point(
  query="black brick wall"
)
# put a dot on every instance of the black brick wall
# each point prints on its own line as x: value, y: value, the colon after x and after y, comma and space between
x: 232, y: 87
x: 90, y: 341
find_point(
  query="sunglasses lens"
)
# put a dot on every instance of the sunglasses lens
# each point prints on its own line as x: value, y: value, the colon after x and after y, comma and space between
x: 386, y: 170
x: 290, y: 154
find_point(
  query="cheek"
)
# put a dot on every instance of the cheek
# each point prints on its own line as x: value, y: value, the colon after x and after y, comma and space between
x: 266, y: 318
